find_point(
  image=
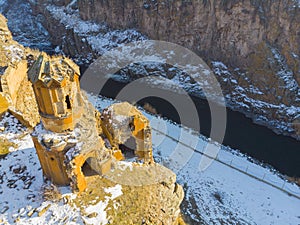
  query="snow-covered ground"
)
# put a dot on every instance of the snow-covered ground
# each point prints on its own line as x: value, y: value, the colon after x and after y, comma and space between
x: 219, y: 194
x: 99, y: 37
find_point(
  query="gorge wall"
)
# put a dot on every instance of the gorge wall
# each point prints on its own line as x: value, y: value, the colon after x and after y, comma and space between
x: 237, y: 33
x: 252, y: 46
x: 259, y: 41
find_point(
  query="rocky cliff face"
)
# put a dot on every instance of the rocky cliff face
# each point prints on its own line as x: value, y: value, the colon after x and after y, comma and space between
x: 26, y: 28
x: 258, y: 41
x: 232, y: 31
x: 81, y: 40
x: 252, y: 46
x: 15, y: 90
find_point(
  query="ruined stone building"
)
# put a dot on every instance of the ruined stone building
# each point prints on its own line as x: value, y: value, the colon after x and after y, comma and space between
x: 126, y: 127
x: 68, y: 135
x: 72, y: 134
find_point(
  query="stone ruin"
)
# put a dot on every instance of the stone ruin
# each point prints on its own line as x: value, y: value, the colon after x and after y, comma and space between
x: 127, y: 128
x: 75, y: 141
x: 73, y: 132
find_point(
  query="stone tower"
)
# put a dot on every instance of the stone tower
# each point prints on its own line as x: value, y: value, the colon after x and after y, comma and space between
x: 63, y: 150
x: 55, y: 83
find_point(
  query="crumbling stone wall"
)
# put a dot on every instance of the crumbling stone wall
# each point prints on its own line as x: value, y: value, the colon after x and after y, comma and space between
x: 120, y: 122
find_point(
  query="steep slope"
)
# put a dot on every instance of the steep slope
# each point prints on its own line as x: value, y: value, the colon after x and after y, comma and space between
x: 14, y: 86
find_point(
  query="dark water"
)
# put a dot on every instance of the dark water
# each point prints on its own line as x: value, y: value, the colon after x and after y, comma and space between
x: 281, y: 152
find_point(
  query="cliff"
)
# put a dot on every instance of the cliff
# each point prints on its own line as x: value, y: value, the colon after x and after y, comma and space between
x: 64, y: 162
x: 252, y: 46
x: 237, y: 33
x: 260, y: 38
x: 15, y: 90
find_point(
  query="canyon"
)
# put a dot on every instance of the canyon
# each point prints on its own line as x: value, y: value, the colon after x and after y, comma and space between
x: 215, y: 196
x: 253, y: 47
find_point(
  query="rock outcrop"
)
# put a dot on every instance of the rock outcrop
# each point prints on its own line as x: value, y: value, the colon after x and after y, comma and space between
x: 139, y: 204
x: 82, y: 40
x: 70, y: 42
x: 240, y: 34
x: 15, y: 88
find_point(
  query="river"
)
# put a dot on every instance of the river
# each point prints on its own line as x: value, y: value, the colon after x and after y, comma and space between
x: 259, y: 142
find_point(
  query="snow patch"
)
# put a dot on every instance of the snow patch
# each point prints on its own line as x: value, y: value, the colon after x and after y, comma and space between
x: 99, y: 36
x: 99, y: 209
x: 14, y: 53
x: 101, y: 206
x: 115, y: 191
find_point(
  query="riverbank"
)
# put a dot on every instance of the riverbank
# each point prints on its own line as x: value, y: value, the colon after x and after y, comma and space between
x: 279, y: 151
